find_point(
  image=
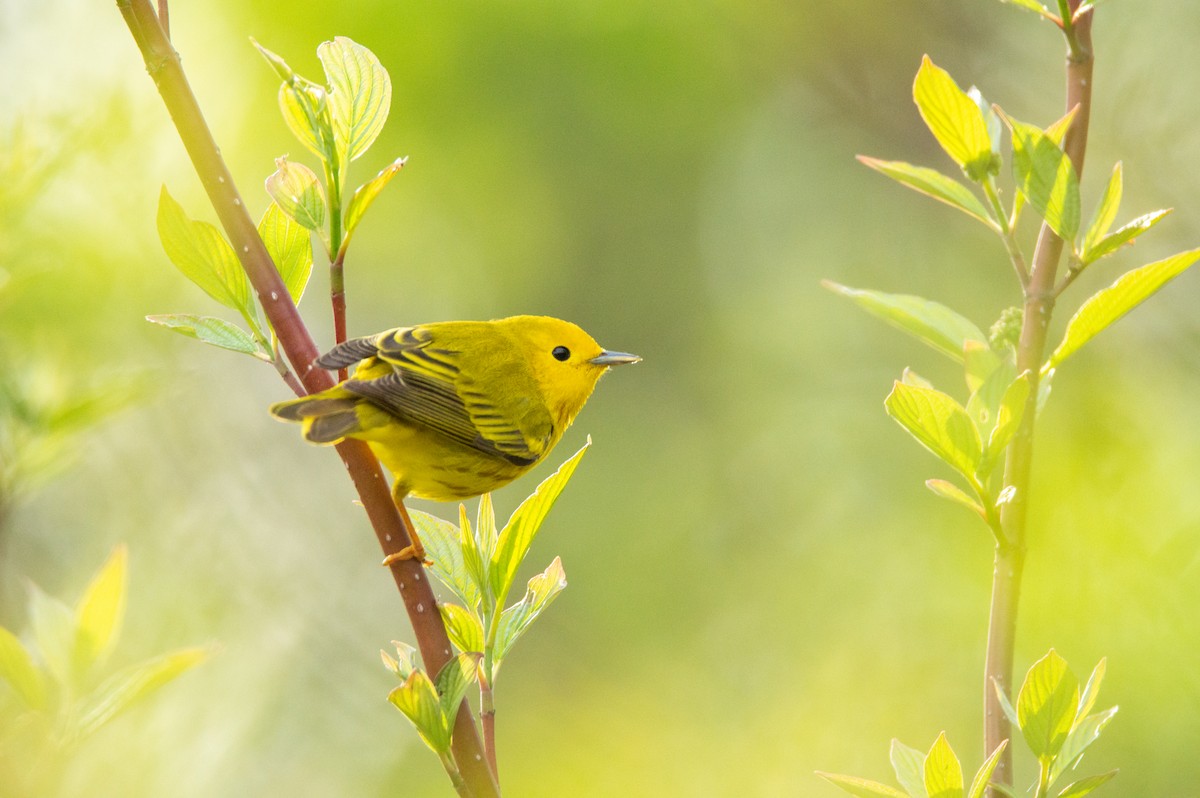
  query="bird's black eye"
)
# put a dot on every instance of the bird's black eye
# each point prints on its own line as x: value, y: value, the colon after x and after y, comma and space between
x: 561, y: 353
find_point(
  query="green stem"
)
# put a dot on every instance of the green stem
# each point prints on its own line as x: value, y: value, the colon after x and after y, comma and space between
x: 393, y: 527
x: 1007, y: 235
x: 337, y: 278
x: 487, y: 714
x: 1039, y: 304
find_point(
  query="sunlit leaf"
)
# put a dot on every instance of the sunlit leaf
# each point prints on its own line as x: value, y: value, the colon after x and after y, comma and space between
x: 463, y: 627
x: 910, y: 377
x: 1046, y: 705
x: 931, y: 322
x: 99, y: 612
x: 980, y: 783
x: 1006, y: 706
x: 360, y: 95
x: 198, y: 250
x: 1084, y: 786
x: 984, y: 405
x: 542, y: 590
x: 1056, y: 133
x: 863, y: 788
x: 417, y: 698
x: 1106, y: 210
x: 17, y: 668
x: 366, y: 194
x: 934, y: 184
x: 452, y: 682
x: 1090, y: 693
x: 1123, y: 235
x: 1045, y: 175
x: 909, y: 764
x: 523, y: 525
x: 990, y: 119
x: 443, y: 545
x: 1012, y: 409
x: 954, y: 119
x: 124, y: 689
x: 302, y: 103
x: 212, y: 330
x: 939, y: 423
x: 298, y: 193
x: 952, y: 492
x: 288, y: 244
x: 943, y: 773
x: 1111, y: 303
x: 1083, y: 734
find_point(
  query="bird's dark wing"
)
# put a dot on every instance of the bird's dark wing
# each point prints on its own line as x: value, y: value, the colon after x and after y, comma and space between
x: 416, y: 379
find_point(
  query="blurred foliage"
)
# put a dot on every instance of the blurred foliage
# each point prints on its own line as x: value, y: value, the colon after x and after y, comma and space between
x: 57, y: 693
x: 752, y: 563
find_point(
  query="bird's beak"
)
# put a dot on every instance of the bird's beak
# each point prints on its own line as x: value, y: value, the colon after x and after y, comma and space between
x: 607, y: 358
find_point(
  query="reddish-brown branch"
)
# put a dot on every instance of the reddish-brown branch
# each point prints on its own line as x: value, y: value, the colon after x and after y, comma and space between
x: 389, y: 520
x: 1039, y: 304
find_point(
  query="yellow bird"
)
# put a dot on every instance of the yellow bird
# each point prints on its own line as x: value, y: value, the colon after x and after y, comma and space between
x: 457, y: 408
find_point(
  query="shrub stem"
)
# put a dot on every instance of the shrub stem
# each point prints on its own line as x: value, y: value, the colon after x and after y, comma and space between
x: 1039, y: 305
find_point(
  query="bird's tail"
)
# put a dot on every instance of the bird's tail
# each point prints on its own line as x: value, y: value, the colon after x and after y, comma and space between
x: 328, y: 417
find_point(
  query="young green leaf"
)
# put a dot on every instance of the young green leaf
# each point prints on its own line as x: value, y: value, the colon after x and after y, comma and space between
x: 939, y: 423
x: 1122, y: 236
x: 17, y: 668
x: 1085, y: 732
x: 304, y: 106
x: 933, y: 323
x: 1111, y: 303
x: 124, y: 689
x: 1045, y: 175
x: 952, y: 492
x: 365, y: 194
x: 452, y: 682
x: 1084, y: 786
x: 991, y: 120
x: 1012, y: 409
x: 417, y: 698
x: 863, y: 788
x: 474, y: 559
x: 198, y: 250
x: 464, y: 629
x: 909, y: 764
x: 1056, y: 133
x: 98, y: 614
x: 943, y: 773
x: 443, y: 544
x: 542, y: 590
x: 910, y: 377
x: 298, y: 193
x: 212, y: 330
x: 360, y: 95
x: 984, y: 405
x: 1106, y: 211
x: 523, y: 525
x: 1092, y: 691
x: 934, y: 184
x: 954, y: 119
x: 1006, y: 706
x: 980, y: 783
x: 1046, y: 705
x: 289, y: 246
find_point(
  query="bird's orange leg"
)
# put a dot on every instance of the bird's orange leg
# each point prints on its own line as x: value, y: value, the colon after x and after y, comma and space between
x: 414, y: 550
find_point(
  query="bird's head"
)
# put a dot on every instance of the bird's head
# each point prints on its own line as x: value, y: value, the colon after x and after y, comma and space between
x: 565, y: 361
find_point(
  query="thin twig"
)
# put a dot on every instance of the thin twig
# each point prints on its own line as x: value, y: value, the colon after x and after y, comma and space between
x: 1039, y: 304
x: 389, y: 520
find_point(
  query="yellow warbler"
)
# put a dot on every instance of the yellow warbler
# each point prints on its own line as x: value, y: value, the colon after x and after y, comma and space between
x: 457, y: 408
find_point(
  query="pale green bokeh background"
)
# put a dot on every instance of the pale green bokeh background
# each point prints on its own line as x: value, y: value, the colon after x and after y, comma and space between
x: 759, y: 584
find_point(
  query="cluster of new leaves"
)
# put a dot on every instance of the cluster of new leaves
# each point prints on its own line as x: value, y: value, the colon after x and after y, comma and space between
x: 479, y: 565
x: 1055, y: 719
x: 59, y: 691
x: 337, y: 122
x: 972, y: 438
